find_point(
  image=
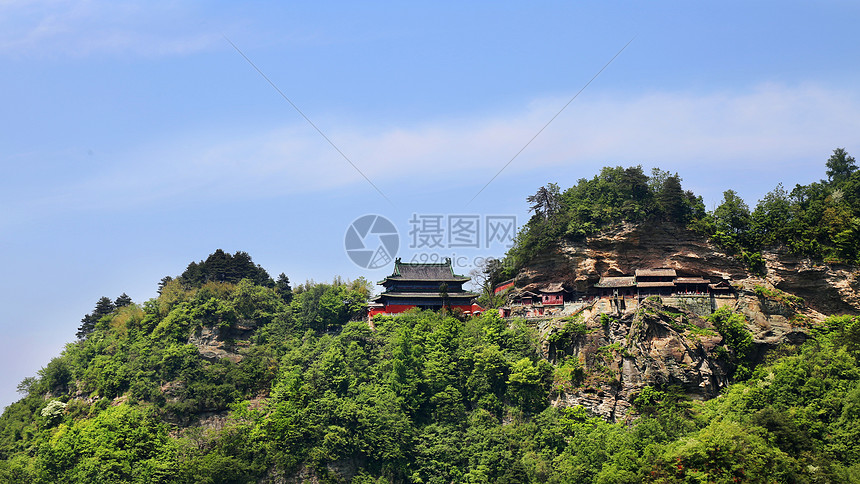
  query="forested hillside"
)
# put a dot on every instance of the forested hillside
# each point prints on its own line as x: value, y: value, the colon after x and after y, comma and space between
x: 423, y: 398
x: 820, y: 220
x: 230, y: 375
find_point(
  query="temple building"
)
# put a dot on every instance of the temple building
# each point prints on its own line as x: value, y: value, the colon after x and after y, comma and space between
x: 658, y: 282
x: 548, y: 300
x: 423, y: 286
x: 616, y: 286
x: 691, y: 285
x: 655, y: 282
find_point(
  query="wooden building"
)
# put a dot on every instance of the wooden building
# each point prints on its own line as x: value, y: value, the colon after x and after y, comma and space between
x: 659, y: 282
x: 722, y: 288
x: 526, y: 298
x: 552, y: 295
x: 621, y: 286
x: 546, y: 301
x: 691, y: 285
x: 655, y: 282
x: 424, y: 286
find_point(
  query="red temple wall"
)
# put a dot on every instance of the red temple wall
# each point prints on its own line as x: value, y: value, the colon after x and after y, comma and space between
x: 399, y: 308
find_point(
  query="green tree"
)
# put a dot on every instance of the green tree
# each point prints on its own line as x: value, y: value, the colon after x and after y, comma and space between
x: 443, y: 294
x: 282, y: 286
x: 163, y: 282
x: 104, y: 306
x: 725, y: 452
x: 123, y: 300
x: 672, y: 201
x: 657, y: 179
x: 121, y: 444
x: 545, y: 202
x: 732, y: 221
x: 529, y: 384
x: 771, y: 219
x: 840, y: 166
x: 736, y: 337
x: 224, y: 267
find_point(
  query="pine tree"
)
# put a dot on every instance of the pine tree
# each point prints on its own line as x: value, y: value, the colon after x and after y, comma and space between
x: 545, y: 203
x: 840, y: 166
x: 671, y: 199
x: 104, y: 306
x: 282, y: 287
x: 123, y: 300
x: 223, y: 267
x: 163, y: 282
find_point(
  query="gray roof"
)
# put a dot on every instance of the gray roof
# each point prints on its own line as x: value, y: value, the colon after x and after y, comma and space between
x: 414, y: 271
x: 554, y: 287
x: 621, y: 281
x: 431, y: 295
x: 660, y: 272
x: 691, y: 280
x: 656, y: 284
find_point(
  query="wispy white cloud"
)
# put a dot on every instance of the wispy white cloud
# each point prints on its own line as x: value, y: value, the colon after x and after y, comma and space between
x: 707, y: 138
x: 68, y: 28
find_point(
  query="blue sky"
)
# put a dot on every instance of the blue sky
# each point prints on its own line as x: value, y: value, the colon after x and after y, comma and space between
x: 134, y: 139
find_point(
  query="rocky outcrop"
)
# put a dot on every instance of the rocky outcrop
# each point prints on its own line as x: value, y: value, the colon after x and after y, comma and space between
x: 658, y: 343
x: 341, y: 470
x: 827, y: 289
x: 830, y: 289
x: 652, y: 345
x: 642, y: 343
x: 215, y: 342
x: 625, y: 248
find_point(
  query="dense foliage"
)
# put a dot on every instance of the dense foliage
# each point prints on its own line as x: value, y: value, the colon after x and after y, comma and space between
x: 819, y: 220
x: 230, y: 376
x: 613, y: 196
x: 423, y: 397
x: 223, y: 267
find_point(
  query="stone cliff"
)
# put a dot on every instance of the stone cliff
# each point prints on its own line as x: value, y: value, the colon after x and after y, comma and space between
x: 621, y: 250
x: 670, y: 342
x: 654, y: 345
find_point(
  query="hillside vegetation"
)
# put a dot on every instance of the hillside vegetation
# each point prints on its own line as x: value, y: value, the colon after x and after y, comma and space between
x: 232, y: 376
x: 423, y: 398
x: 820, y: 220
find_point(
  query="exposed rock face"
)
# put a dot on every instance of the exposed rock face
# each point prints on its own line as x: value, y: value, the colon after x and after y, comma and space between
x: 829, y: 289
x: 627, y: 247
x: 342, y: 470
x: 671, y: 343
x: 652, y: 345
x: 622, y: 250
x: 214, y: 342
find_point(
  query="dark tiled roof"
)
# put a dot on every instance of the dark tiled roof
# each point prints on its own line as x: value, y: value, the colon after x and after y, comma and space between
x: 691, y: 280
x: 656, y: 284
x: 622, y: 281
x: 661, y: 272
x: 555, y: 287
x: 407, y: 271
x: 433, y: 295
